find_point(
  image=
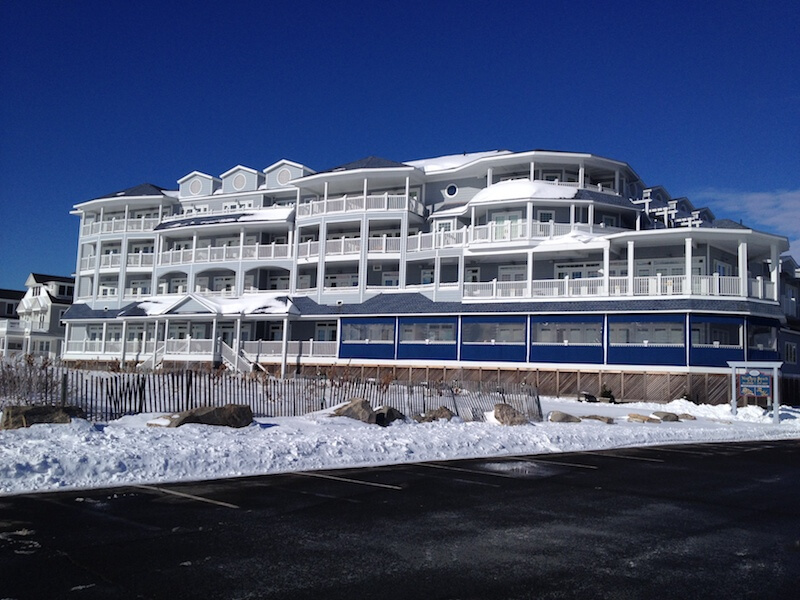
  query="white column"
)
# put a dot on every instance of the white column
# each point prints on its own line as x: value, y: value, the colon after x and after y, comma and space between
x: 571, y: 216
x: 529, y: 218
x: 581, y: 175
x: 630, y: 267
x: 743, y: 269
x: 103, y: 343
x: 489, y: 176
x: 124, y: 343
x: 237, y: 343
x: 530, y: 273
x: 284, y: 346
x: 591, y: 217
x: 533, y: 171
x: 774, y: 271
x: 687, y: 265
x: 606, y: 268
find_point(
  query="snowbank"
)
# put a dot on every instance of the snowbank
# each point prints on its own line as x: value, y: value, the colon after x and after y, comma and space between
x: 127, y: 451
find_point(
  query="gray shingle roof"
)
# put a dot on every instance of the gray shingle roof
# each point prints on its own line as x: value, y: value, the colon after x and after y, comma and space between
x: 143, y: 189
x: 370, y: 162
x: 403, y: 304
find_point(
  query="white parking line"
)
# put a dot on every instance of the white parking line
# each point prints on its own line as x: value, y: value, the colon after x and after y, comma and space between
x: 473, y: 471
x: 348, y: 480
x: 547, y: 461
x: 185, y: 495
x: 626, y: 457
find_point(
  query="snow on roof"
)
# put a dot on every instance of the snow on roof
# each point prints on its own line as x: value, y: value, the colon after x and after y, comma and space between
x: 574, y: 240
x: 250, y: 304
x: 518, y: 189
x: 453, y: 161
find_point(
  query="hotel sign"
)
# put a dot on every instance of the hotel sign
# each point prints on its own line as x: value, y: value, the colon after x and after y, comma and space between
x: 755, y: 384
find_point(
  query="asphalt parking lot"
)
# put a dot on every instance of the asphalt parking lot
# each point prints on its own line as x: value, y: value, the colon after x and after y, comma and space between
x: 706, y: 521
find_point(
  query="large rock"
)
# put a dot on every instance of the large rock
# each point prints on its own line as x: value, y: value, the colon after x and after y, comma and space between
x: 508, y: 415
x: 386, y: 414
x: 667, y: 417
x: 230, y: 415
x: 15, y: 417
x: 556, y: 416
x: 687, y: 417
x: 637, y: 418
x: 358, y: 409
x: 603, y: 419
x: 438, y: 414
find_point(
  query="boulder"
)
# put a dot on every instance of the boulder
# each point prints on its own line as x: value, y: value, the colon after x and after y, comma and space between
x: 666, y: 417
x: 15, y: 417
x: 230, y: 415
x: 386, y: 414
x: 606, y: 420
x: 508, y: 415
x: 358, y: 409
x: 556, y: 416
x: 439, y: 414
x: 637, y: 418
x: 687, y: 417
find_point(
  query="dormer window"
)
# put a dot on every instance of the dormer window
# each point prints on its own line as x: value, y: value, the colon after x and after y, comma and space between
x: 239, y: 182
x: 284, y: 176
x: 196, y: 187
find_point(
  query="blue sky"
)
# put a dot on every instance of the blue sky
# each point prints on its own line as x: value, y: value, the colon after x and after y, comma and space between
x: 700, y: 97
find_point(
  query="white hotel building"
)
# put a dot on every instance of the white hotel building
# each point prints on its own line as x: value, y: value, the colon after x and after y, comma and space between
x: 515, y: 261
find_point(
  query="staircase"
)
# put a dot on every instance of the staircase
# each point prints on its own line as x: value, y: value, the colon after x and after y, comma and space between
x: 236, y: 361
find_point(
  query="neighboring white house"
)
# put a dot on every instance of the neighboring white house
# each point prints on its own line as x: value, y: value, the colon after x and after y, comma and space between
x: 11, y: 334
x: 38, y: 330
x: 538, y: 260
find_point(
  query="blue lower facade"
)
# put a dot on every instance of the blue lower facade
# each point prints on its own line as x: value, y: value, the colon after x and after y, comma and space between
x: 640, y: 339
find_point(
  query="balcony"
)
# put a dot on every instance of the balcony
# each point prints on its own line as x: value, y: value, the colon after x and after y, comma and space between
x: 709, y: 286
x: 14, y: 327
x: 211, y: 254
x: 119, y: 226
x: 141, y: 260
x: 261, y: 350
x: 375, y: 202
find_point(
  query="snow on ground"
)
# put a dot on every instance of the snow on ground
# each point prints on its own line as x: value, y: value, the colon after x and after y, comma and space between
x: 127, y: 451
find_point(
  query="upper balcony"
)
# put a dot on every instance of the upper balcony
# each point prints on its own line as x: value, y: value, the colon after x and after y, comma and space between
x: 707, y: 286
x: 212, y: 254
x: 119, y: 226
x: 373, y: 202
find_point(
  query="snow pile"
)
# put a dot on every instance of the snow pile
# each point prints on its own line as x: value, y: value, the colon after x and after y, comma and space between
x: 523, y: 189
x: 127, y: 451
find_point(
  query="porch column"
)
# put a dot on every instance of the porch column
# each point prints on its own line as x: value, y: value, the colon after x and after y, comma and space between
x: 606, y: 268
x: 774, y: 270
x: 489, y: 176
x: 237, y: 344
x: 572, y: 216
x: 67, y: 329
x: 591, y: 217
x: 323, y: 235
x: 284, y: 346
x: 529, y: 218
x: 687, y: 266
x: 743, y: 291
x: 533, y: 171
x: 103, y: 343
x: 239, y: 281
x: 616, y: 181
x: 581, y: 175
x: 530, y: 273
x: 124, y: 343
x: 437, y: 268
x: 630, y: 267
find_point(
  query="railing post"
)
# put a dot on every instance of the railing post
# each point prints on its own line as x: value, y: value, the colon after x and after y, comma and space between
x: 760, y: 282
x: 494, y: 288
x: 715, y: 279
x: 658, y: 284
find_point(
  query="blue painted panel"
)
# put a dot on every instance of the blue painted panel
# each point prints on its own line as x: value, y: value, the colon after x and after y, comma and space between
x: 714, y: 357
x: 357, y: 350
x: 427, y: 351
x: 493, y: 352
x: 755, y: 354
x: 559, y: 353
x: 640, y: 355
x: 647, y: 318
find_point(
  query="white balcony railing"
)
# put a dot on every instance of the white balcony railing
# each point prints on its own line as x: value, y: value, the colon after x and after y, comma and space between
x: 678, y: 285
x: 375, y: 202
x: 119, y: 226
x: 207, y: 254
x: 306, y: 348
x: 143, y: 259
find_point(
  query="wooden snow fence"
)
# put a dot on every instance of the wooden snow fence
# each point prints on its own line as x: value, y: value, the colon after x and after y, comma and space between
x: 105, y: 396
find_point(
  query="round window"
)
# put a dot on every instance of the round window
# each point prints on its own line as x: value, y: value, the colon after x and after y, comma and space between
x: 451, y: 190
x: 239, y: 181
x: 284, y: 176
x: 196, y: 186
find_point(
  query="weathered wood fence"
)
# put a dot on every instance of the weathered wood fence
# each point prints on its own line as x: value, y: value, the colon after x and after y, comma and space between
x: 106, y: 396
